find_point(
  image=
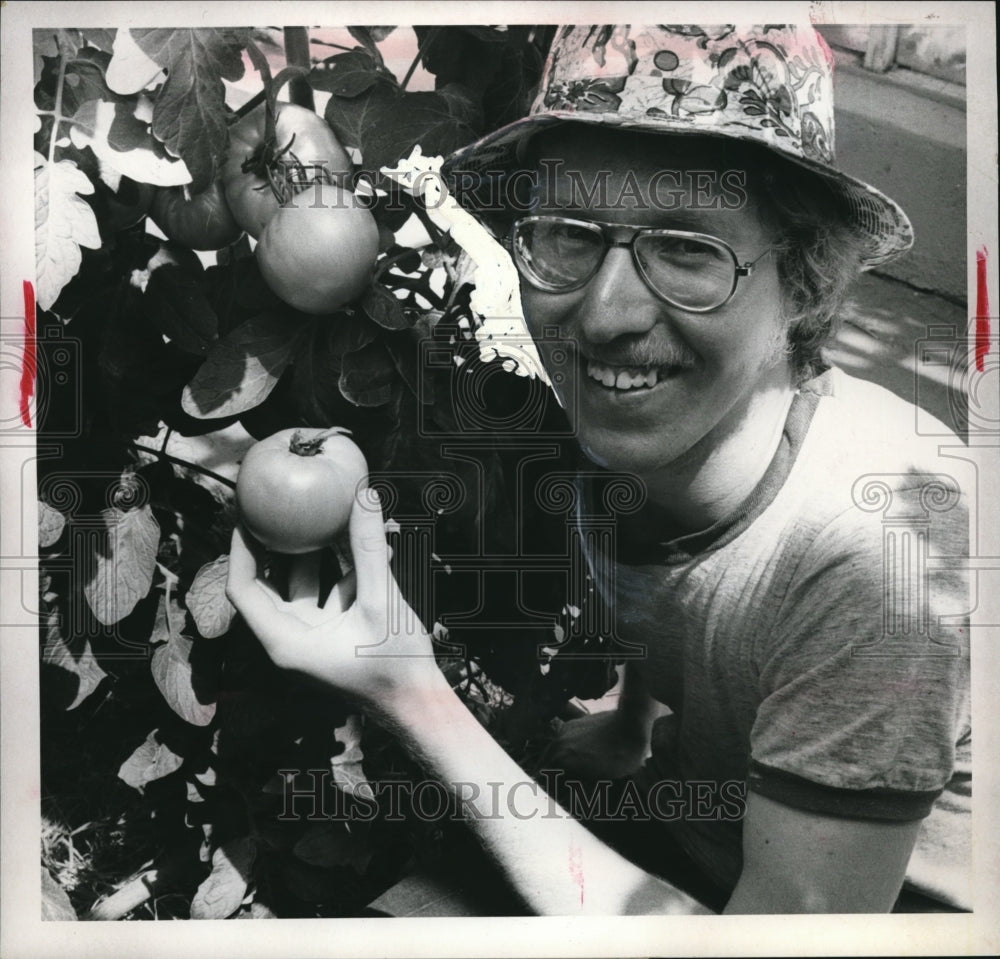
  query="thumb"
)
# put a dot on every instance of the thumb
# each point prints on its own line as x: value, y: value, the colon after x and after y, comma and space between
x: 370, y: 552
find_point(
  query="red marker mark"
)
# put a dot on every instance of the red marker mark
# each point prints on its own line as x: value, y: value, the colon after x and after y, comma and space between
x: 28, y: 363
x: 982, y: 310
x: 576, y: 867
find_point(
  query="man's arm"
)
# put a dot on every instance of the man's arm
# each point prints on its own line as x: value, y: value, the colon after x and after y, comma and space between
x: 797, y: 861
x: 365, y: 641
x: 558, y: 866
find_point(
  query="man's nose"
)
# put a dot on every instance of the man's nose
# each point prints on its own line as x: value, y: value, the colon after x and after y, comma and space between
x: 617, y: 302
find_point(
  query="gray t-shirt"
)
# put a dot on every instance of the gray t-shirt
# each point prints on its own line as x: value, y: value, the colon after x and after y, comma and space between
x: 813, y: 647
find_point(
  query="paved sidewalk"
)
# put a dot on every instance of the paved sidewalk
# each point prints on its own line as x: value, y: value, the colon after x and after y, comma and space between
x: 912, y: 343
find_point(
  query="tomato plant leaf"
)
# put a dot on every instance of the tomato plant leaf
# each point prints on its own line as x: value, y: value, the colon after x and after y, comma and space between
x: 64, y: 222
x: 144, y: 162
x: 124, y: 571
x: 346, y: 74
x: 151, y: 761
x: 440, y: 122
x: 174, y: 677
x: 241, y: 369
x: 348, y: 774
x: 131, y: 68
x: 206, y: 599
x: 352, y: 118
x: 75, y: 658
x: 53, y: 42
x: 384, y: 308
x: 368, y: 37
x: 79, y: 75
x: 367, y: 376
x: 56, y: 903
x: 404, y: 348
x: 178, y: 306
x: 221, y: 894
x: 189, y: 113
x: 50, y: 525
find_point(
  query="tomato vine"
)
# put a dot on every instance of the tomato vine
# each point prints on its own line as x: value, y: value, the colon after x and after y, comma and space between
x: 176, y: 363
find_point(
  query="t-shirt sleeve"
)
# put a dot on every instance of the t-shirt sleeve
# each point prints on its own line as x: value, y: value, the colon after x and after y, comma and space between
x: 864, y: 678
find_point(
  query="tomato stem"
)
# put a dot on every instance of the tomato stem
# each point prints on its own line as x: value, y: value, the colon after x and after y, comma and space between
x: 57, y: 106
x: 310, y: 446
x: 177, y: 461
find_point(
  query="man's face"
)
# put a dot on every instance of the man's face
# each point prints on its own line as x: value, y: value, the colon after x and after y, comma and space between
x: 709, y: 367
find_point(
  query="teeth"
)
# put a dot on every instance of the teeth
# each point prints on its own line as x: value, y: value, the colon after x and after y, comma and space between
x: 622, y: 378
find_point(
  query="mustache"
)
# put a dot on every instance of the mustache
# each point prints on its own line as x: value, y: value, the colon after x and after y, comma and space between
x: 641, y: 355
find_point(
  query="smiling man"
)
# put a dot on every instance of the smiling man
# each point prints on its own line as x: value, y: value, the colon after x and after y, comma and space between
x: 803, y: 665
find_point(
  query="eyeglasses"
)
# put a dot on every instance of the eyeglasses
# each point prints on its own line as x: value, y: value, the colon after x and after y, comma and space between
x: 692, y: 271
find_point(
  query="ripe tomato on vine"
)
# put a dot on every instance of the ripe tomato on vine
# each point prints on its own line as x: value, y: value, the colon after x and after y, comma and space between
x: 302, y: 145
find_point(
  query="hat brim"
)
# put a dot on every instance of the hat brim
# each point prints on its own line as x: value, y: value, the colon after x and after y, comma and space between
x: 872, y: 214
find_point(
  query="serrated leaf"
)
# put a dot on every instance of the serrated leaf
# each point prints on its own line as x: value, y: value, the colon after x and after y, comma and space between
x: 63, y: 223
x: 151, y: 761
x: 368, y: 37
x: 440, y: 122
x: 384, y: 309
x: 130, y: 69
x: 50, y: 525
x: 348, y: 774
x: 56, y: 905
x: 85, y: 79
x: 346, y: 74
x: 350, y: 778
x: 368, y: 375
x: 221, y: 894
x: 75, y: 658
x: 177, y: 305
x: 124, y: 570
x: 241, y: 369
x: 144, y: 161
x: 48, y: 43
x: 174, y: 677
x: 127, y: 132
x: 189, y: 114
x: 404, y: 349
x: 206, y: 599
x: 351, y: 118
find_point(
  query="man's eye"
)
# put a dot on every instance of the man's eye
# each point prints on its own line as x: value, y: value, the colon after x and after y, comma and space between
x: 568, y: 233
x: 685, y: 250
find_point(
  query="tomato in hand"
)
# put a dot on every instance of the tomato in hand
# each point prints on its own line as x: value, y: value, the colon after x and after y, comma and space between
x: 318, y: 252
x: 299, y: 135
x: 202, y: 223
x: 296, y: 489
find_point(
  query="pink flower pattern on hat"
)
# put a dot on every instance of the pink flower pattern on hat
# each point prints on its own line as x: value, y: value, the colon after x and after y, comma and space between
x: 771, y: 84
x: 771, y: 87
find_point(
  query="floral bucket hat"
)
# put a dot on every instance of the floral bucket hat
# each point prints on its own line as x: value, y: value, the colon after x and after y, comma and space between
x: 770, y: 84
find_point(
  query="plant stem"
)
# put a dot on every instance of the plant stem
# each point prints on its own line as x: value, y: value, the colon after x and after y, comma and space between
x: 431, y: 34
x: 255, y: 101
x: 57, y: 107
x: 176, y: 461
x: 259, y: 61
x: 297, y: 55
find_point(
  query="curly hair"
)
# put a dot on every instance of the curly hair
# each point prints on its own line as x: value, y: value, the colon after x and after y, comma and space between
x: 818, y: 253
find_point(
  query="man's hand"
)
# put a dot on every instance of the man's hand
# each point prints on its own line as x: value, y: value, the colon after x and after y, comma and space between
x: 364, y: 640
x: 602, y: 746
